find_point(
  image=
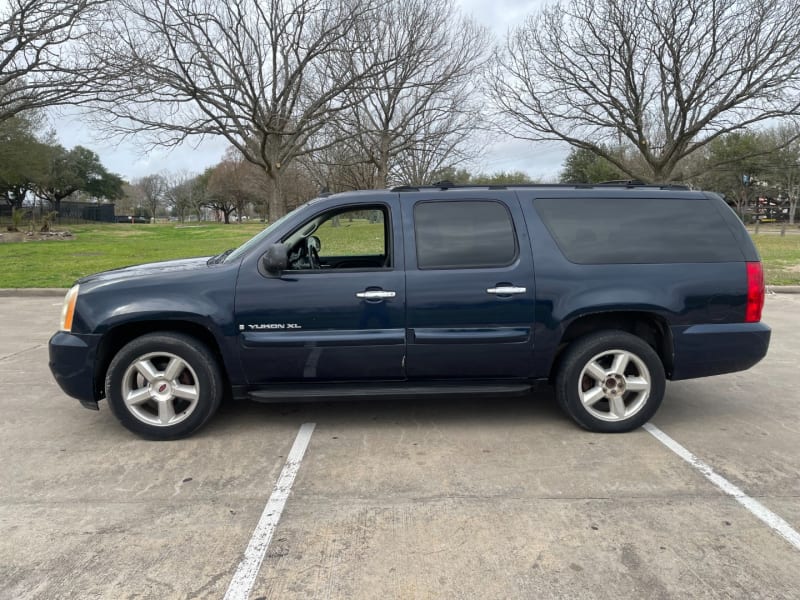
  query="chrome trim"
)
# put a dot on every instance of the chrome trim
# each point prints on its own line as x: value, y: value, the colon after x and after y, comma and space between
x: 506, y: 290
x: 375, y: 294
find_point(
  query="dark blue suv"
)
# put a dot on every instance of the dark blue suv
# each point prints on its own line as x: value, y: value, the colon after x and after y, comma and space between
x: 605, y: 291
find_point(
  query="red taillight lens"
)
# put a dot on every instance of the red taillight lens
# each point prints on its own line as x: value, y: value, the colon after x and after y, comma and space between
x: 755, y: 292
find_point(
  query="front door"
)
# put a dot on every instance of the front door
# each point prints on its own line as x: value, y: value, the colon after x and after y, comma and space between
x: 469, y: 287
x: 338, y: 312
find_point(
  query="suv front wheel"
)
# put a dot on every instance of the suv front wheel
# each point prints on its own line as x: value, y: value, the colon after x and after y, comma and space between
x: 610, y: 382
x: 164, y: 386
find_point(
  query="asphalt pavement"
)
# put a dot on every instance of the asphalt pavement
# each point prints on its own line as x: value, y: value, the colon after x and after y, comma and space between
x: 484, y: 497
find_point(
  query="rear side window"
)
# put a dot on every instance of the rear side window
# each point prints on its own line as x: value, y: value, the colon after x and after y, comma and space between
x: 464, y: 235
x: 638, y: 230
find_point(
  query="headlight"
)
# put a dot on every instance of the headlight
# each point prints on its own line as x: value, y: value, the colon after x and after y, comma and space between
x: 68, y: 310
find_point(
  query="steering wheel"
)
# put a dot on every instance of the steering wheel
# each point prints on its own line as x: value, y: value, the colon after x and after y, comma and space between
x: 312, y: 251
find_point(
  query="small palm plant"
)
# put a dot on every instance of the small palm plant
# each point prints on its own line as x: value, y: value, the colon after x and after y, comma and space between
x: 17, y: 215
x: 47, y: 220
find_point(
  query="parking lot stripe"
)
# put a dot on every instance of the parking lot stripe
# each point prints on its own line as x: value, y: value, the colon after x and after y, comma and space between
x: 242, y: 581
x: 783, y: 528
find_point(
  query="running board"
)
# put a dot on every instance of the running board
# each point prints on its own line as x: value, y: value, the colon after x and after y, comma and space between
x: 278, y: 393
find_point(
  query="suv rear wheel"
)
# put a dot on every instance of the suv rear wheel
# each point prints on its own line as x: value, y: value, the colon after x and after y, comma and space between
x: 610, y: 382
x: 164, y: 386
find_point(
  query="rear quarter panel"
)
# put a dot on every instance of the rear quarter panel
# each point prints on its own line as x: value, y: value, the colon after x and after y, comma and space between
x: 682, y: 294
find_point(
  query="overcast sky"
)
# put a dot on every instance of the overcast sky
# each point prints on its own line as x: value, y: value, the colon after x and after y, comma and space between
x: 127, y: 159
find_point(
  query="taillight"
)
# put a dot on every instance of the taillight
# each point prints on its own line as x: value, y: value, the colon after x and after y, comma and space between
x: 755, y: 292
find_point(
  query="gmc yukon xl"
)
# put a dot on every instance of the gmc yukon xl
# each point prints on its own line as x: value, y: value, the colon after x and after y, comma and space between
x: 605, y: 291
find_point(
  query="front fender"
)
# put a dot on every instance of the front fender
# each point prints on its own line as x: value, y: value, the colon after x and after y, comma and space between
x: 197, y: 298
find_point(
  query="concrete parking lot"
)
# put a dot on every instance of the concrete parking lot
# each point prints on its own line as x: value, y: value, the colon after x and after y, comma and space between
x: 486, y: 497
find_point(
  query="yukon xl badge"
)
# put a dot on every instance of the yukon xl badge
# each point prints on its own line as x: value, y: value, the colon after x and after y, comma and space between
x: 264, y: 326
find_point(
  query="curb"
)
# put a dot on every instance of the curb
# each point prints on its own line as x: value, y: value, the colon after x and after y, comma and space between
x: 33, y: 292
x: 783, y: 289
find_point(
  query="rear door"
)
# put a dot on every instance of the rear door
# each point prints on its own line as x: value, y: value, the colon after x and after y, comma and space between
x: 469, y: 286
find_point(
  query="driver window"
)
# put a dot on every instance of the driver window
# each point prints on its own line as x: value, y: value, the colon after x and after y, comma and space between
x: 345, y: 238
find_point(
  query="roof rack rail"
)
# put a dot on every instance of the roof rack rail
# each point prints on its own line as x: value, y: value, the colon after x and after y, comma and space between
x: 444, y: 184
x: 626, y: 183
x: 637, y: 183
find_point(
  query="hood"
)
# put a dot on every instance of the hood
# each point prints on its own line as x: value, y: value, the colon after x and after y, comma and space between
x: 147, y: 270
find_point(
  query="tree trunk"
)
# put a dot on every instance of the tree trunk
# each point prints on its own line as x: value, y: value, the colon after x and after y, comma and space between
x: 276, y: 203
x: 742, y: 204
x: 240, y: 202
x: 382, y: 174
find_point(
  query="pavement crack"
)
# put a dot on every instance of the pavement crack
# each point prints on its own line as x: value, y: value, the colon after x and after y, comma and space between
x: 31, y: 349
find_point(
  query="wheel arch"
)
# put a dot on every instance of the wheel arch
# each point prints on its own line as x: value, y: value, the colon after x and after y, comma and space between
x: 117, y: 337
x: 648, y: 326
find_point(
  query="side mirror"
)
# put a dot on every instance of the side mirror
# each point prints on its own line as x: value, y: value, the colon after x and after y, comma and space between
x: 276, y: 259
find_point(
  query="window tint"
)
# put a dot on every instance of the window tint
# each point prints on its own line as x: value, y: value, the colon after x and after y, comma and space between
x: 458, y: 235
x: 638, y: 230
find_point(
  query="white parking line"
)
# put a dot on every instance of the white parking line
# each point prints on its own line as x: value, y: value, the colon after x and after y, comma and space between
x: 754, y: 506
x: 245, y: 576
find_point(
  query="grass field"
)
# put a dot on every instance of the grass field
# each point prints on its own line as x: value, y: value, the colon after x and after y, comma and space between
x: 781, y: 257
x: 98, y: 247
x: 351, y: 238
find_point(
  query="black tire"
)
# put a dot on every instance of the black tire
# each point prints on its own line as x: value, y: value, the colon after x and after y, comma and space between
x: 164, y: 374
x: 579, y: 375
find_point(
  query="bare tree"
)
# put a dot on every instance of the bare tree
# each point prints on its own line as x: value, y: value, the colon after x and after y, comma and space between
x: 265, y: 75
x: 42, y: 63
x: 665, y: 77
x: 180, y: 192
x: 339, y: 167
x: 426, y: 101
x: 446, y: 143
x: 131, y: 202
x: 298, y: 187
x: 153, y: 189
x: 233, y: 185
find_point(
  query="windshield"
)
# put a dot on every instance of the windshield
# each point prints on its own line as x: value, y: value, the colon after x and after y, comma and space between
x: 256, y: 239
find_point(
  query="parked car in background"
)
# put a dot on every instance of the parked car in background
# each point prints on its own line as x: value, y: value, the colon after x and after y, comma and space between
x: 131, y: 219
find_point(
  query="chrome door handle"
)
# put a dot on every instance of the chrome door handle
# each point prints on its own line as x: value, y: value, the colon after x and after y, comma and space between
x: 506, y: 290
x: 375, y: 294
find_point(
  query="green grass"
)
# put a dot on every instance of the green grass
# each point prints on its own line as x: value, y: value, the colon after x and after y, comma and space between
x: 99, y: 247
x: 358, y: 237
x: 781, y: 257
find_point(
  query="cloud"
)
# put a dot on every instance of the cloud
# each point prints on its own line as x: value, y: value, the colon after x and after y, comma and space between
x: 500, y: 15
x: 540, y: 160
x: 129, y: 159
